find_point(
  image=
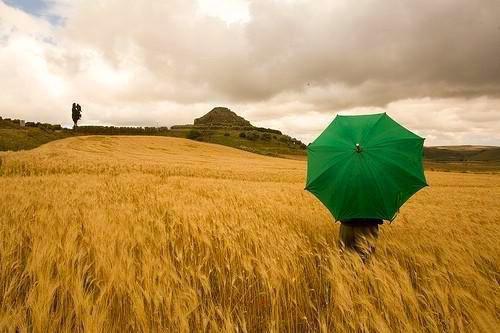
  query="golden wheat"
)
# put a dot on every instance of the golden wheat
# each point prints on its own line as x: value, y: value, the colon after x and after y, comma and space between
x: 117, y: 234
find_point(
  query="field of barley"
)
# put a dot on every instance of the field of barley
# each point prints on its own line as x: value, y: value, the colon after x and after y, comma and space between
x: 151, y: 234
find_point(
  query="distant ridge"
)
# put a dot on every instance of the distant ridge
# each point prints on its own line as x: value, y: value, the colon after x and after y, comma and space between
x: 463, y: 153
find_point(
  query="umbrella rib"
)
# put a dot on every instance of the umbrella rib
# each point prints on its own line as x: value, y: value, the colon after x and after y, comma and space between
x: 373, y: 127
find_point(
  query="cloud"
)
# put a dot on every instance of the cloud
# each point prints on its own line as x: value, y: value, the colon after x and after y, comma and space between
x: 290, y: 64
x: 444, y: 121
x: 380, y: 51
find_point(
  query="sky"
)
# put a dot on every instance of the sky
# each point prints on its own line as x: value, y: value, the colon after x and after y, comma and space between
x: 433, y: 66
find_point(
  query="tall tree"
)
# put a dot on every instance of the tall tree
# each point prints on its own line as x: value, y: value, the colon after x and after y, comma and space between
x: 76, y: 113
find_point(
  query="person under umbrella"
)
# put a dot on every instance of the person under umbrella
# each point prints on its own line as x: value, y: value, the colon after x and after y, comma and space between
x: 363, y: 169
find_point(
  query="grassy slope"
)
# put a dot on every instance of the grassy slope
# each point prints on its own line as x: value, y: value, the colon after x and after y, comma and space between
x: 161, y: 234
x: 475, y: 166
x: 463, y: 158
x: 27, y: 138
x: 462, y: 154
x: 231, y: 138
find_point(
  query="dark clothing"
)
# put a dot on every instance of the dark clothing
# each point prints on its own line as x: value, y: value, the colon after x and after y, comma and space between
x: 363, y: 222
x: 359, y: 235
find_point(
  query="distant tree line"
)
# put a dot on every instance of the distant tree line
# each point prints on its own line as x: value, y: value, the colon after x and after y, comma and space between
x: 9, y: 123
x: 194, y: 135
x: 249, y: 133
x: 254, y: 136
x: 44, y: 126
x: 18, y: 123
x: 222, y: 127
x: 113, y: 130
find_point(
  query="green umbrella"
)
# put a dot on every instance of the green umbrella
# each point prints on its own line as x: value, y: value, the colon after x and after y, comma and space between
x: 365, y: 166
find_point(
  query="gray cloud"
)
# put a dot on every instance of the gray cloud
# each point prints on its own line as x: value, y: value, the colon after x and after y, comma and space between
x: 293, y: 65
x: 417, y: 49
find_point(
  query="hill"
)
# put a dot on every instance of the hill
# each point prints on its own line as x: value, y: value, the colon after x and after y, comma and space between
x: 462, y: 153
x: 223, y: 126
x: 463, y: 158
x: 15, y: 135
x: 159, y: 234
x: 221, y: 116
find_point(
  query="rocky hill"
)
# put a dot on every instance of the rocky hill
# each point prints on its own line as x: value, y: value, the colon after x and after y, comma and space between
x: 221, y: 116
x: 223, y: 126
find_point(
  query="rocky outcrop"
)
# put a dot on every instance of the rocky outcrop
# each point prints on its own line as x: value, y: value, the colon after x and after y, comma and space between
x: 221, y: 116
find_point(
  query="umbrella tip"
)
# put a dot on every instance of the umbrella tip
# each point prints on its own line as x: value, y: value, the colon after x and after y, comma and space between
x: 358, y: 148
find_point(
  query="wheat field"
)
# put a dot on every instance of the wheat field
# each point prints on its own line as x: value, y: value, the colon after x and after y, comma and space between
x: 150, y: 234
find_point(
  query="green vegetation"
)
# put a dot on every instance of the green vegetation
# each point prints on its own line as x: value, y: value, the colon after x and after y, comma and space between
x: 223, y: 126
x: 464, y: 167
x: 463, y: 158
x: 114, y: 130
x: 193, y: 135
x: 252, y: 141
x: 28, y: 138
x: 462, y: 153
x: 15, y: 135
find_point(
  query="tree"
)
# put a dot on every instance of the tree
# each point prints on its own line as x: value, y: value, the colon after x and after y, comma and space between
x: 194, y: 135
x: 76, y: 113
x: 266, y: 136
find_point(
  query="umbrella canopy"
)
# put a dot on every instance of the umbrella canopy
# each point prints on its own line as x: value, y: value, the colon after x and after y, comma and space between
x: 365, y: 166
